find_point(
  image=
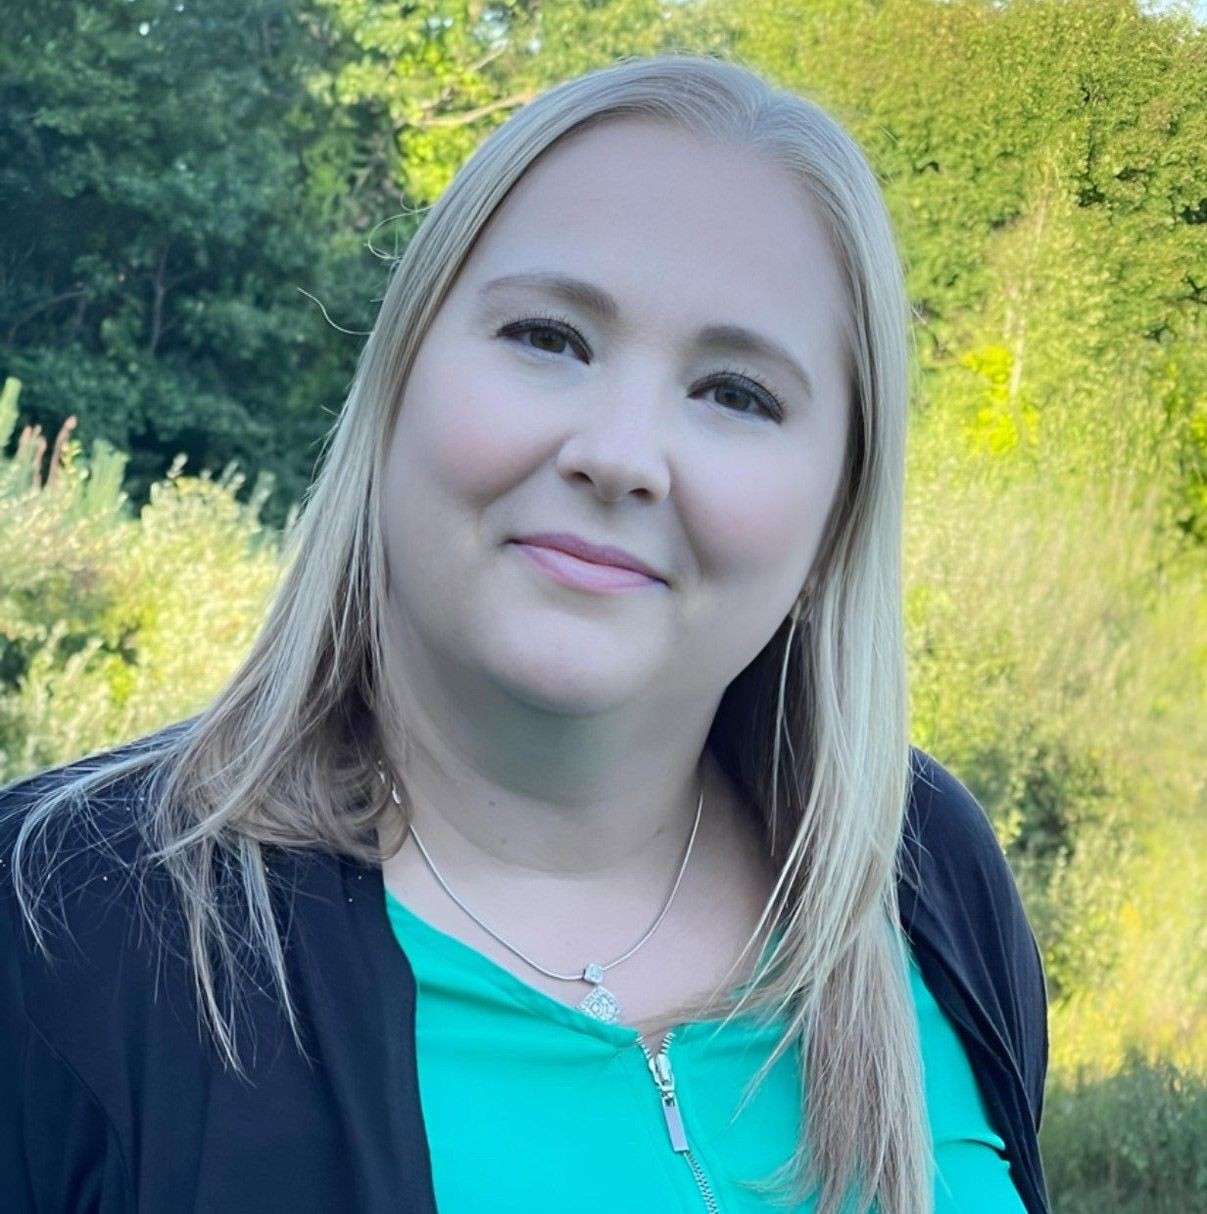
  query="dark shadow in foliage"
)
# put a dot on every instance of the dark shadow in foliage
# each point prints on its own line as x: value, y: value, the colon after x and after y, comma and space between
x: 1130, y: 1144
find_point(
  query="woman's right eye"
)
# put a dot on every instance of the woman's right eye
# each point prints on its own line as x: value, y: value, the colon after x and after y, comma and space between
x: 550, y: 334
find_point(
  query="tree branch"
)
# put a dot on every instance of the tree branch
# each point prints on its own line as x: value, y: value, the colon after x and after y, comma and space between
x: 467, y: 116
x: 42, y: 307
x: 446, y: 93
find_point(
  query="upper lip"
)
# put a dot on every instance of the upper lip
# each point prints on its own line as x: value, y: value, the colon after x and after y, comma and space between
x: 600, y: 554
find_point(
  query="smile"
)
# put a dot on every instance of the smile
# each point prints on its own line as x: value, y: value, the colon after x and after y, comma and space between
x: 579, y: 574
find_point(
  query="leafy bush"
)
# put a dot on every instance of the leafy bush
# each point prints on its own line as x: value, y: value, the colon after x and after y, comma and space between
x: 111, y: 625
x: 1131, y: 1143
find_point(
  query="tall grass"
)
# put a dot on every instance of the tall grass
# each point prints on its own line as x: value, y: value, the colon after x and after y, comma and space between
x: 1059, y: 665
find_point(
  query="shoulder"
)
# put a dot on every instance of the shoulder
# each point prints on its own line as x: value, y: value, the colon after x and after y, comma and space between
x: 65, y: 825
x: 953, y: 875
x: 24, y: 802
x: 99, y: 1043
x: 90, y: 934
x: 952, y: 869
x: 946, y: 827
x: 74, y: 892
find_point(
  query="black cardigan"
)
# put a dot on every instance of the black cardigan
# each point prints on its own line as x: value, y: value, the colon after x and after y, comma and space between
x: 112, y: 1099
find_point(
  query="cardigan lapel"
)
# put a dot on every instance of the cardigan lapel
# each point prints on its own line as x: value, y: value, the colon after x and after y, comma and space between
x: 356, y: 989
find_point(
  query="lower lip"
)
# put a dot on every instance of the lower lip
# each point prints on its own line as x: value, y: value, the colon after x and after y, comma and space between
x: 583, y: 575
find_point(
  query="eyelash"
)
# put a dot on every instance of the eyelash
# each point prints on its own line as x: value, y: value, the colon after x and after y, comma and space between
x: 767, y: 400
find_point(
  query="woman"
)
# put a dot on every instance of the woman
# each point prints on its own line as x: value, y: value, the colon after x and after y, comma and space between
x: 560, y: 840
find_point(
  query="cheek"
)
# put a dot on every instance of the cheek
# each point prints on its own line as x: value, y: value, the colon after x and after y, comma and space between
x: 463, y: 433
x: 764, y: 521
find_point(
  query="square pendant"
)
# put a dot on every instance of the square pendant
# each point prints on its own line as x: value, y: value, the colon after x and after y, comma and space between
x: 601, y: 1004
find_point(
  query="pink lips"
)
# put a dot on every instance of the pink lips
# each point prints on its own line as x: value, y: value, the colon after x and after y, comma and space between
x: 573, y: 561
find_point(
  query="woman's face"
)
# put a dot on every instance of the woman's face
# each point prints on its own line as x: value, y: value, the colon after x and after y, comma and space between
x: 527, y: 410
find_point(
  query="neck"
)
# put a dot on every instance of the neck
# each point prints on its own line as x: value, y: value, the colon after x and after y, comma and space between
x: 489, y: 834
x: 497, y: 785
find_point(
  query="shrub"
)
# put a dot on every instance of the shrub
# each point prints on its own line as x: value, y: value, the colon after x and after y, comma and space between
x: 111, y: 625
x: 1131, y: 1143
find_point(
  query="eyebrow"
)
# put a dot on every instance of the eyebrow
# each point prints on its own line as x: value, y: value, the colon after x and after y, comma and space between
x: 596, y: 300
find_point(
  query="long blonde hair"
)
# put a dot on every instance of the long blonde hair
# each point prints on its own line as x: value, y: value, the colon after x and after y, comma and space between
x: 814, y: 731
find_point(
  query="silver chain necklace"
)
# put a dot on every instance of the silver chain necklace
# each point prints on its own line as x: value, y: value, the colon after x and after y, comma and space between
x: 600, y: 1002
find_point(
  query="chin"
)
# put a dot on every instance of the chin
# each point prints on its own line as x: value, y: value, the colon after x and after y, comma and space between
x: 543, y: 680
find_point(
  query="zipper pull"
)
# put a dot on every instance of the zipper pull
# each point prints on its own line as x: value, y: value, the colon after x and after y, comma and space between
x: 660, y: 1068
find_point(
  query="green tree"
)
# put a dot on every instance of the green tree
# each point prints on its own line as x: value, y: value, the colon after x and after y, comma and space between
x: 439, y: 76
x: 161, y: 228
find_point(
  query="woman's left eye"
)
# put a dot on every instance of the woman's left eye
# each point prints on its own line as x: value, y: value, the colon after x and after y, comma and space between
x: 729, y: 379
x: 547, y: 325
x: 736, y: 379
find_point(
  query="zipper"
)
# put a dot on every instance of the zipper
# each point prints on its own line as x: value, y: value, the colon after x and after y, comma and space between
x: 664, y: 1078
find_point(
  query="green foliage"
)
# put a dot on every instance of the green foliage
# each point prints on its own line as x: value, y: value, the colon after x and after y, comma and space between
x: 112, y: 625
x: 1155, y: 999
x: 1037, y: 673
x: 159, y: 235
x: 1131, y: 1143
x: 441, y: 75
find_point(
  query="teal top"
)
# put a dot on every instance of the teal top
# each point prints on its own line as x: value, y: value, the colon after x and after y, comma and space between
x: 533, y: 1107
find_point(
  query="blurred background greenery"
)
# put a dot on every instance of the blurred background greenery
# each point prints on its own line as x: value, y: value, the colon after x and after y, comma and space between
x: 201, y: 203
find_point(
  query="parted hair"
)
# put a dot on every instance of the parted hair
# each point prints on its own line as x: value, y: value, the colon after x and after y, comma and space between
x: 814, y: 731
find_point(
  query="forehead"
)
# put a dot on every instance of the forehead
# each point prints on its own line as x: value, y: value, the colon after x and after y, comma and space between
x: 671, y: 225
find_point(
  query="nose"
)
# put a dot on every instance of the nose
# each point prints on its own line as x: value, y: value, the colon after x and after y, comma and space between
x: 620, y: 446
